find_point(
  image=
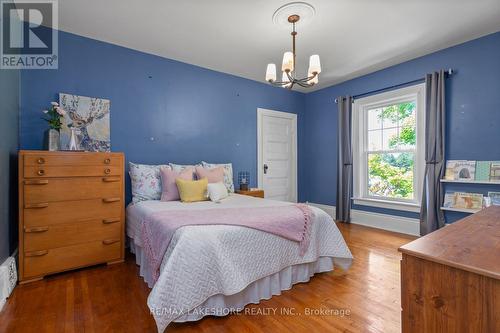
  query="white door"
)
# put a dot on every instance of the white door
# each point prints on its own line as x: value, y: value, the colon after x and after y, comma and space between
x: 277, y: 154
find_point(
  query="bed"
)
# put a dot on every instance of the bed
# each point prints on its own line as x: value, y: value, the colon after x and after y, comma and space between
x: 218, y: 269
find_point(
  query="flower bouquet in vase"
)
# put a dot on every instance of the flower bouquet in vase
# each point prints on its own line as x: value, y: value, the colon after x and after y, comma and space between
x: 53, y: 117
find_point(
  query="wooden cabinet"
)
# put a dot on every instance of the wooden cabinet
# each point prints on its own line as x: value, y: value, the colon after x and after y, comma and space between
x: 71, y: 211
x: 450, y: 279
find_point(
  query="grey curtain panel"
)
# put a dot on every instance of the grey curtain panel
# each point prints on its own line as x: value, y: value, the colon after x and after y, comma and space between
x: 344, y: 160
x: 431, y: 216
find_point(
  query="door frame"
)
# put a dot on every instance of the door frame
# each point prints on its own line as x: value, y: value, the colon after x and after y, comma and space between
x: 260, y: 173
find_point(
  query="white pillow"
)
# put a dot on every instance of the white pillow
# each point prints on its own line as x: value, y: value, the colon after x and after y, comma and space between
x: 228, y: 173
x: 217, y: 191
x: 146, y: 181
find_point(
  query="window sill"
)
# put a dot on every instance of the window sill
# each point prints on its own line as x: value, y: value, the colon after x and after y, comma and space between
x: 404, y: 206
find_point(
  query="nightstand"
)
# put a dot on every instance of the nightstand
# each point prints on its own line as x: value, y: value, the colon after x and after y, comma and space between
x: 252, y: 193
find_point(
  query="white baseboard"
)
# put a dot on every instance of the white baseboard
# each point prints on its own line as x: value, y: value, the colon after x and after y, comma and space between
x: 8, y: 279
x: 404, y: 225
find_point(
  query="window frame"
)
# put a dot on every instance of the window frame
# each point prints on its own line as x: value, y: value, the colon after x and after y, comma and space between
x: 360, y: 147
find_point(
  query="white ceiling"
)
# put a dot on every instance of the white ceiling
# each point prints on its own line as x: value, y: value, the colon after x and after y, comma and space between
x: 352, y: 37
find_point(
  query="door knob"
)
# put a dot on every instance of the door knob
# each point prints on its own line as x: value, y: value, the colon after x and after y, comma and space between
x: 265, y: 168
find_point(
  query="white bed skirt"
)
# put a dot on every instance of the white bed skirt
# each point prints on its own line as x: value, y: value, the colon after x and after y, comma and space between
x: 262, y: 289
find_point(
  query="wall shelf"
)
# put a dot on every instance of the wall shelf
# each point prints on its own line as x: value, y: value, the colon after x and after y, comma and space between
x: 461, y: 210
x: 485, y: 182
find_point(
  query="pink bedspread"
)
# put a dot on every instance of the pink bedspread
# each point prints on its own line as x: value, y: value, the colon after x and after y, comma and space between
x: 290, y: 222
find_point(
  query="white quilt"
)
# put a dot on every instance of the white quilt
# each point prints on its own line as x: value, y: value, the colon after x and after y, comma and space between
x: 202, y: 261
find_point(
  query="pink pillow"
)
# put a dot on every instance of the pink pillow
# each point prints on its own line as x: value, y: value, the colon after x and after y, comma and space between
x: 169, y: 191
x: 215, y: 175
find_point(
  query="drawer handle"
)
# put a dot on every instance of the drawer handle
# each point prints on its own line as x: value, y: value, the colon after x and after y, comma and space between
x: 110, y: 180
x: 110, y: 241
x: 109, y: 221
x: 36, y: 229
x: 107, y: 161
x: 40, y: 160
x: 36, y: 182
x: 37, y: 205
x: 40, y: 172
x: 109, y: 200
x: 36, y: 253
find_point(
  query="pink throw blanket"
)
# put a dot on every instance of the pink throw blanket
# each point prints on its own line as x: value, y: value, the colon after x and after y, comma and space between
x: 290, y: 222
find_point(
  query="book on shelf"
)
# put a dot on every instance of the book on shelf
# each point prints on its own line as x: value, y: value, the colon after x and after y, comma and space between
x: 450, y: 169
x: 488, y: 171
x: 483, y: 171
x: 468, y: 200
x: 480, y: 171
x: 495, y: 172
x: 460, y: 170
x: 465, y: 170
x: 449, y: 199
x: 494, y: 198
x: 463, y: 200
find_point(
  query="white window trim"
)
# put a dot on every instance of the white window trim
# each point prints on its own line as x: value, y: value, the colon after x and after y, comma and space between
x: 359, y: 142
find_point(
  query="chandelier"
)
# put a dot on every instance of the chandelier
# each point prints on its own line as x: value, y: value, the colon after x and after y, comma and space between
x: 288, y: 67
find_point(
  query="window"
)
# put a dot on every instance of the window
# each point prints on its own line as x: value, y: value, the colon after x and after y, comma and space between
x: 388, y: 149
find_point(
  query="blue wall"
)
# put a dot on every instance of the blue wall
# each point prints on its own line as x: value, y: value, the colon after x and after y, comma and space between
x: 167, y: 111
x: 9, y: 110
x: 161, y: 110
x: 473, y: 114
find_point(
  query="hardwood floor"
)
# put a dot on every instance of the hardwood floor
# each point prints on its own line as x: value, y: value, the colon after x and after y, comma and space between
x: 113, y: 298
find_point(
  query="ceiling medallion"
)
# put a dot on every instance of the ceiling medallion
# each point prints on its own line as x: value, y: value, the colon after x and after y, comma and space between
x: 289, y: 79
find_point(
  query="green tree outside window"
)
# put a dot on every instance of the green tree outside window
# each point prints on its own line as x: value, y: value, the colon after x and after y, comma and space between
x: 391, y: 174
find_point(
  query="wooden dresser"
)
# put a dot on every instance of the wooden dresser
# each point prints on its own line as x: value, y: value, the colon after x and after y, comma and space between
x: 71, y: 211
x: 450, y: 279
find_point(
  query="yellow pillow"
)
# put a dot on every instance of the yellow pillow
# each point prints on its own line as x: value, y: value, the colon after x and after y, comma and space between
x: 192, y: 190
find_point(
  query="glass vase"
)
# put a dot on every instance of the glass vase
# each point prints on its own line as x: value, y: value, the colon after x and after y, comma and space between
x: 52, y: 140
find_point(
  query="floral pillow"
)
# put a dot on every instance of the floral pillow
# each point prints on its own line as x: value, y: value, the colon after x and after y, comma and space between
x: 146, y: 181
x: 228, y: 173
x: 181, y: 167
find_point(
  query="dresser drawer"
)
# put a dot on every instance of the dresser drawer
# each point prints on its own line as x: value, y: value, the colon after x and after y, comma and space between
x: 60, y: 235
x: 71, y: 171
x: 64, y: 189
x: 48, y: 261
x: 51, y: 213
x: 72, y: 159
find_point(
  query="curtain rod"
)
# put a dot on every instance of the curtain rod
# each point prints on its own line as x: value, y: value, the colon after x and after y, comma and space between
x: 448, y: 71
